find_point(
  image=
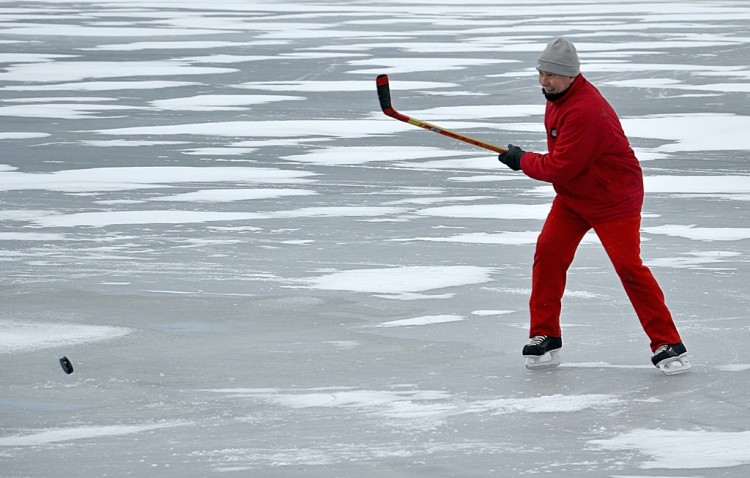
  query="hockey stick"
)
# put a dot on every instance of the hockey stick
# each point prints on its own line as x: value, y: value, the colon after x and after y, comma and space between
x: 384, y: 95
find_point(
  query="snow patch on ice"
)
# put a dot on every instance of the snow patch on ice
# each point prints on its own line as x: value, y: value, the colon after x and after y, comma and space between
x: 228, y: 195
x: 109, y: 218
x: 221, y: 151
x: 486, y: 313
x: 168, y: 45
x: 394, y: 404
x: 334, y: 128
x: 508, y: 238
x: 402, y: 280
x: 692, y: 132
x: 127, y: 178
x: 693, y: 260
x: 32, y: 236
x: 462, y: 164
x: 671, y: 83
x: 415, y: 65
x: 434, y: 200
x: 544, y: 404
x: 484, y: 178
x: 352, y: 155
x: 681, y: 449
x: 340, y: 86
x: 412, y: 404
x: 219, y: 102
x: 344, y: 344
x: 601, y: 364
x: 25, y: 336
x: 61, y: 435
x: 475, y: 112
x: 102, y: 86
x: 734, y: 367
x: 62, y: 71
x: 424, y: 320
x: 61, y: 110
x: 707, y: 234
x: 109, y: 143
x: 250, y: 459
x: 490, y: 211
x: 706, y: 185
x: 22, y: 135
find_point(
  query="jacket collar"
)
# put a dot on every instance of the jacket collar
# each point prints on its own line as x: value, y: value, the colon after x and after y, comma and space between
x: 560, y: 98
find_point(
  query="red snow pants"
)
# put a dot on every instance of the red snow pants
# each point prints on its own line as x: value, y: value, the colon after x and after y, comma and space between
x: 562, y: 233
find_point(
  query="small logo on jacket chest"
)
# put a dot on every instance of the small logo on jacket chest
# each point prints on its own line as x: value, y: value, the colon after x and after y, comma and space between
x: 553, y: 132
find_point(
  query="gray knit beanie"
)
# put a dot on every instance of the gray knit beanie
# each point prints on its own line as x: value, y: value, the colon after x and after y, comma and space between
x: 560, y: 57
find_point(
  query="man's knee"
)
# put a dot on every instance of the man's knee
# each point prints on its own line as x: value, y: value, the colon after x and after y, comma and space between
x: 631, y: 272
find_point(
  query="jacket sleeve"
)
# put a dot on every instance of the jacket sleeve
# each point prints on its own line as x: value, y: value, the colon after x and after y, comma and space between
x: 577, y: 143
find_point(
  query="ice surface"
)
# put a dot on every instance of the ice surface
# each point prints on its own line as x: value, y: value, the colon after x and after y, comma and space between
x: 254, y: 272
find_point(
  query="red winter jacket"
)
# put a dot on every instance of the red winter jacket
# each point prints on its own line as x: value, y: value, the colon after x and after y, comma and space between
x: 590, y: 163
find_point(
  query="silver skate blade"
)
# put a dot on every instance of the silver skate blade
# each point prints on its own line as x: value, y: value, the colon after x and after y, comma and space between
x: 675, y: 366
x: 546, y: 361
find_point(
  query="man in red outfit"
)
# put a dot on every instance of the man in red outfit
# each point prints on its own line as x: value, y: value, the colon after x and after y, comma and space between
x: 599, y: 185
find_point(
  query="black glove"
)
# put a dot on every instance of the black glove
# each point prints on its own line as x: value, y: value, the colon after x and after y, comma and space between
x: 512, y: 158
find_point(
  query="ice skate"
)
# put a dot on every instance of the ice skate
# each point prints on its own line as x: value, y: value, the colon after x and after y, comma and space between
x: 542, y: 352
x: 671, y: 359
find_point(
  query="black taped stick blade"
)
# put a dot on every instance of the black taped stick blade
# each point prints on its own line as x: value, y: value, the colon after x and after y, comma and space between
x: 384, y: 92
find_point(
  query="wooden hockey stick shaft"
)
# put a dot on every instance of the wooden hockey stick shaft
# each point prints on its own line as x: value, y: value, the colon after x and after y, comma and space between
x: 384, y: 95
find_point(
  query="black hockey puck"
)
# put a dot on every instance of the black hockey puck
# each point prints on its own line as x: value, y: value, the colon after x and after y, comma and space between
x: 66, y: 365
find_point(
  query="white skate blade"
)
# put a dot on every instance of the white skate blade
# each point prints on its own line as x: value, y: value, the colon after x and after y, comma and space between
x: 674, y: 366
x: 549, y: 360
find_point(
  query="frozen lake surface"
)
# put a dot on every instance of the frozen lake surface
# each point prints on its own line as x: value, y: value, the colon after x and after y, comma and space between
x: 255, y: 272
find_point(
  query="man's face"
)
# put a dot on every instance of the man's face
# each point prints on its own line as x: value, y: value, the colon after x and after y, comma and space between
x: 554, y: 84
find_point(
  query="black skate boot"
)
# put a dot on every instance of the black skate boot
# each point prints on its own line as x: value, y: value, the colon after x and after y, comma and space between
x: 542, y: 352
x: 671, y: 359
